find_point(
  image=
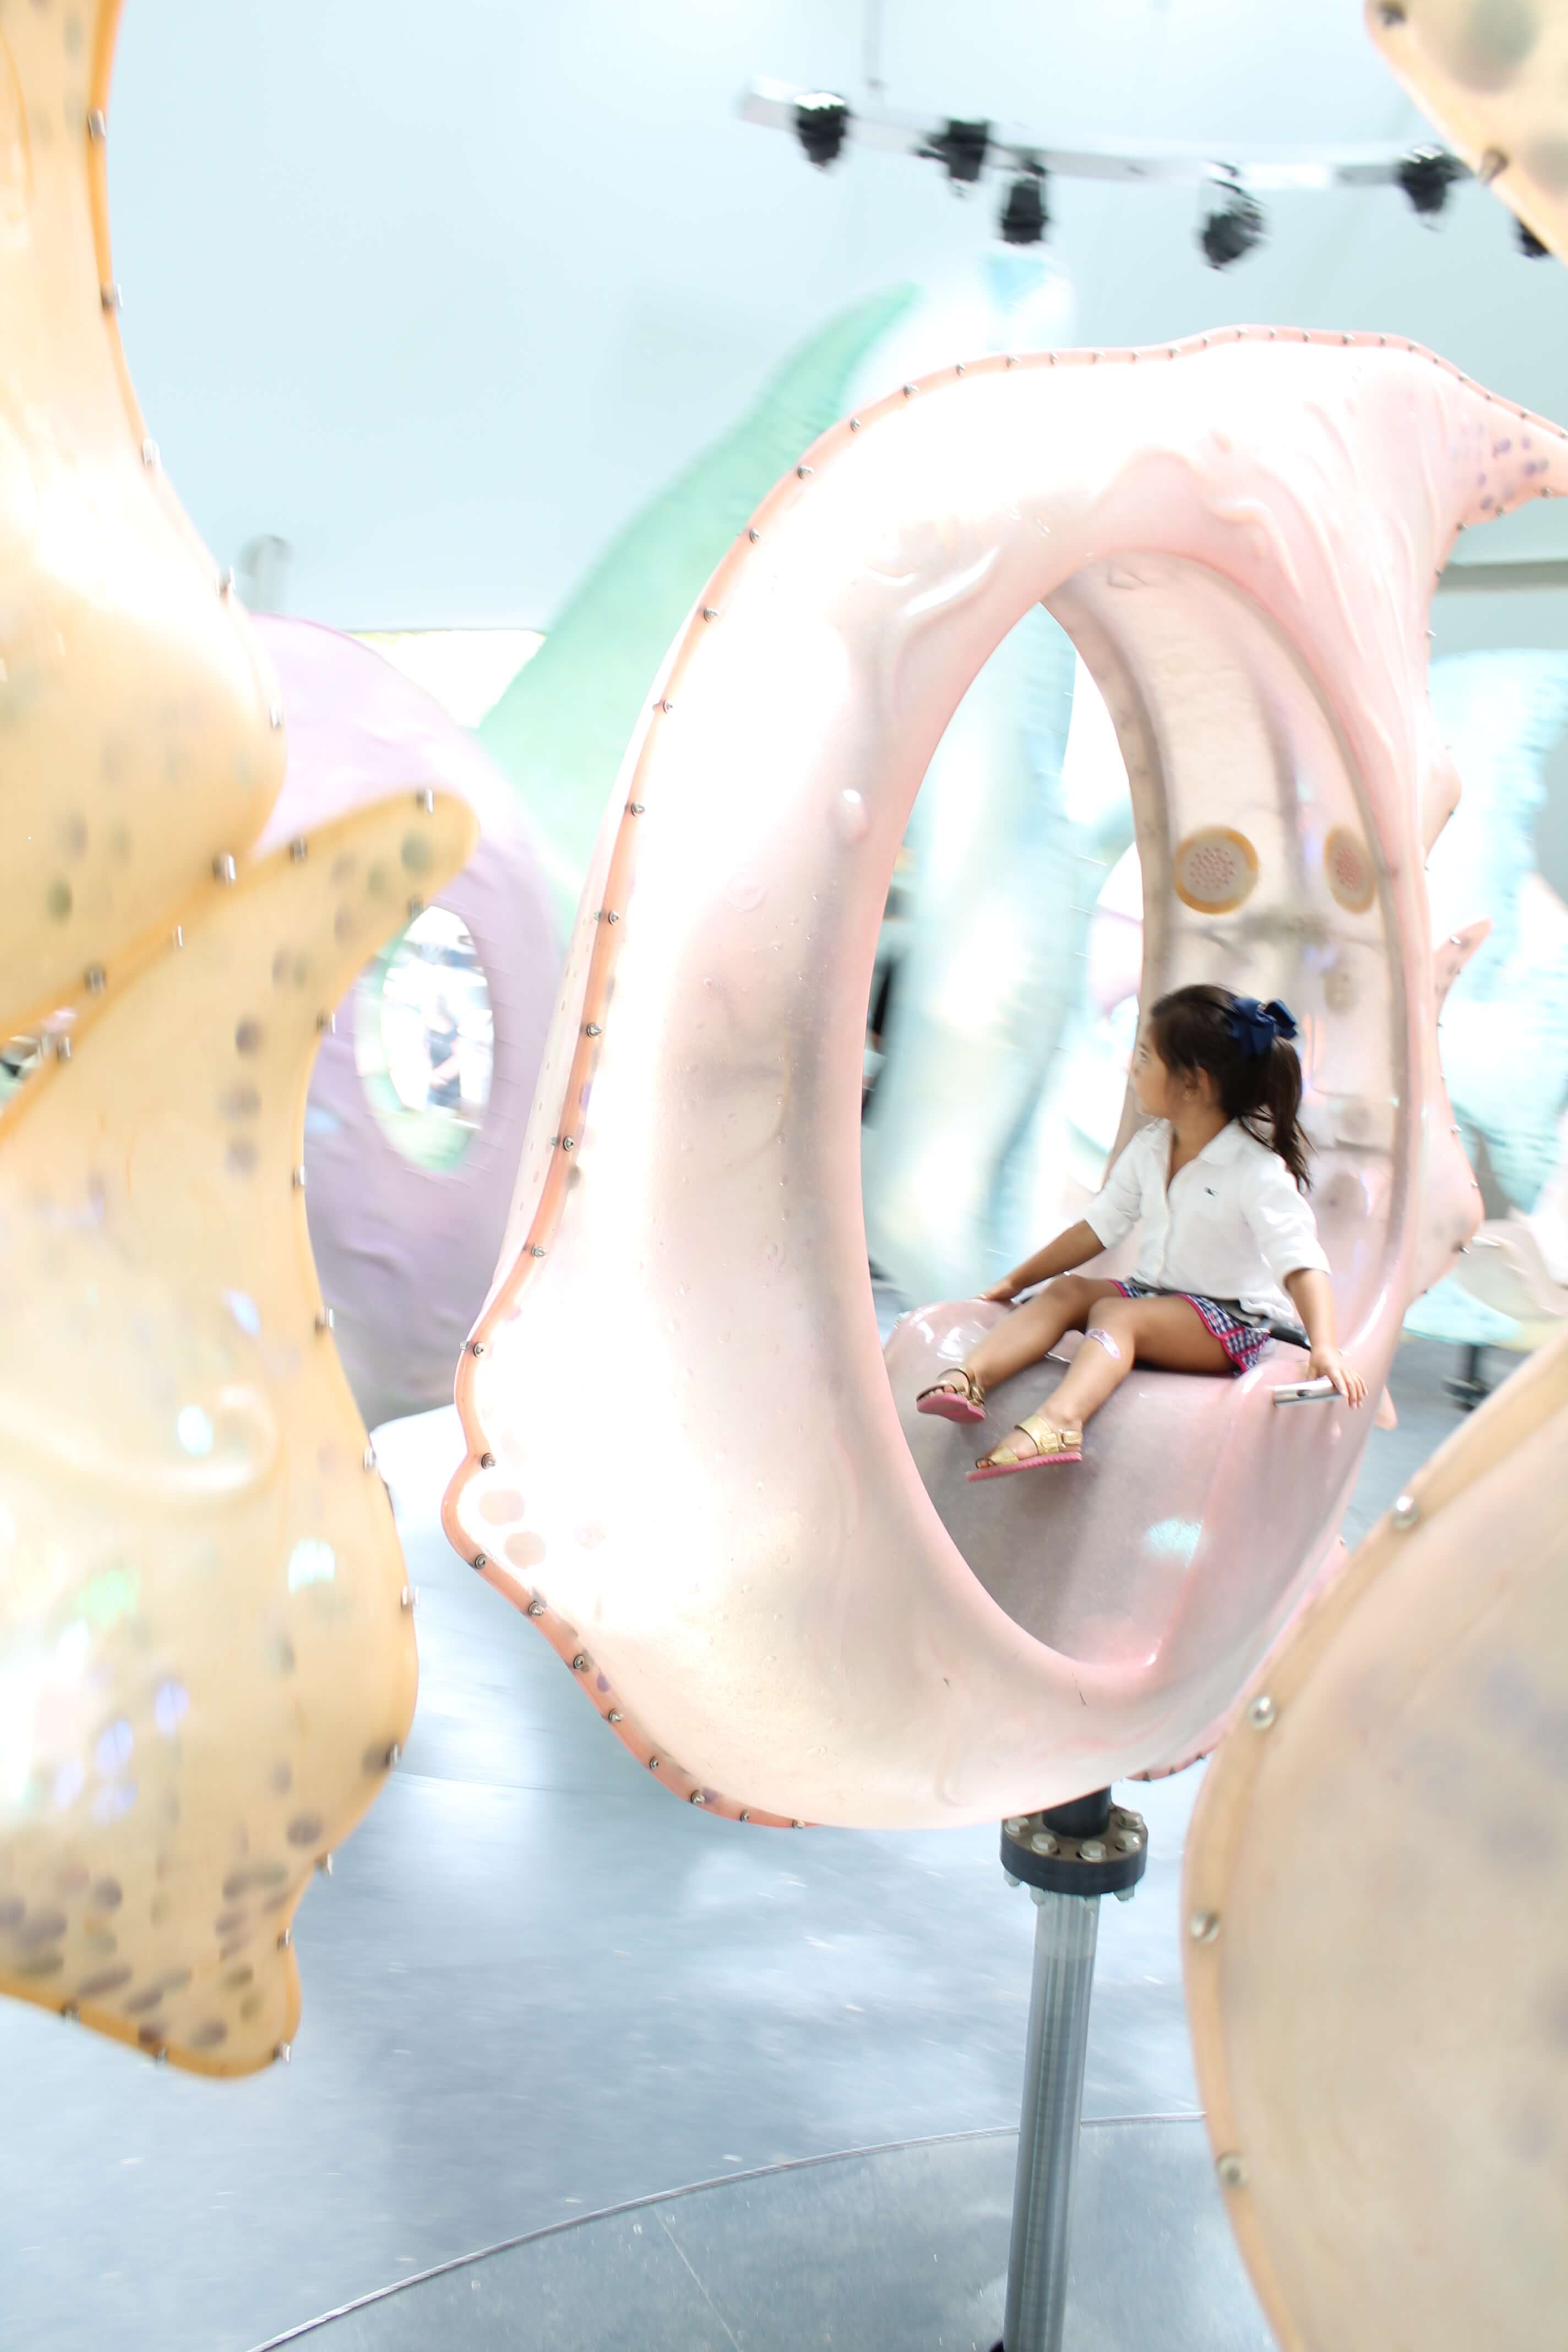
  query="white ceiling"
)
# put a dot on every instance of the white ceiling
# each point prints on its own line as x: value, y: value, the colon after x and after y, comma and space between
x: 439, y: 295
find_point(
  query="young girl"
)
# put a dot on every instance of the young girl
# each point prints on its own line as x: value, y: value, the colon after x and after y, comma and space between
x: 1217, y: 1183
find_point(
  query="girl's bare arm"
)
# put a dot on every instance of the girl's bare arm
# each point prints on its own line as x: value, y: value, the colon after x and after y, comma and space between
x: 1075, y: 1247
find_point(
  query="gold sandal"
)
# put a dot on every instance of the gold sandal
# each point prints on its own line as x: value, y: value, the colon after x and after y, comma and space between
x: 967, y: 1403
x: 1050, y: 1444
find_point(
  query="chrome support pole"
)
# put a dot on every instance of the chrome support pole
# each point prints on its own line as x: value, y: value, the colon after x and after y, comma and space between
x: 1066, y: 1927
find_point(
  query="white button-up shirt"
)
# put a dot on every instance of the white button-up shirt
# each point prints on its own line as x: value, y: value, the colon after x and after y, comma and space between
x: 1230, y: 1224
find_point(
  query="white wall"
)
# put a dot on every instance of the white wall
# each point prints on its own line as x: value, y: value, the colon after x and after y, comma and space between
x: 438, y: 294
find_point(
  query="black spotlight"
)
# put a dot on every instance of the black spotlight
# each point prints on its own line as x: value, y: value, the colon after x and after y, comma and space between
x: 822, y: 124
x: 1529, y: 245
x: 1426, y: 177
x: 962, y: 148
x: 1233, y: 228
x: 1025, y: 217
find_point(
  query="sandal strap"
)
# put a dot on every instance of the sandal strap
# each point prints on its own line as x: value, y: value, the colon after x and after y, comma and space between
x: 973, y: 1388
x: 1046, y: 1437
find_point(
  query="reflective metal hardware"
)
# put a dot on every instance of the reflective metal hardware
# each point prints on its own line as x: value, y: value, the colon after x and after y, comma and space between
x: 149, y: 453
x: 754, y: 535
x: 593, y: 1030
x: 1260, y: 1712
x: 908, y: 391
x: 97, y: 127
x: 1203, y: 1927
x: 325, y: 1865
x: 636, y: 807
x: 1065, y: 1931
x: 70, y: 2013
x: 112, y: 298
x: 615, y: 1716
x: 697, y: 1797
x: 62, y: 1049
x: 487, y: 1462
x: 746, y: 1816
x: 1093, y: 1851
x: 1232, y: 2171
x: 803, y: 472
x: 536, y: 1251
x: 611, y: 918
x: 1129, y: 1840
x: 178, y: 935
x: 96, y: 978
x: 1043, y: 1842
x: 481, y: 1560
x: 275, y: 714
x: 297, y: 1180
x: 325, y: 1320
x: 1318, y: 1391
x: 797, y: 1826
x: 285, y: 1939
x: 1494, y: 162
x: 283, y: 2053
x: 580, y: 1662
x: 1406, y: 1511
x: 299, y: 851
x: 1016, y: 1826
x: 653, y: 1763
x: 709, y: 612
x: 568, y: 1143
x: 667, y: 704
x: 405, y: 1598
x: 477, y: 1346
x: 224, y: 869
x: 854, y: 425
x: 368, y: 1457
x: 392, y: 1755
x: 426, y: 800
x: 1011, y: 1880
x: 536, y: 1608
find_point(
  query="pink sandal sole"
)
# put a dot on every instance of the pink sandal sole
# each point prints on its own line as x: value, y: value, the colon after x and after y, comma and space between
x: 1030, y: 1462
x: 949, y: 1405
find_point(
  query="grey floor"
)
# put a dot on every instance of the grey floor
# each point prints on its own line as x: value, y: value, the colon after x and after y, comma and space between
x: 535, y: 1990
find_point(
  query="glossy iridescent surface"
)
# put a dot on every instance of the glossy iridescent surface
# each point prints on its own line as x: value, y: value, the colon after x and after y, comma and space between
x: 1489, y: 75
x: 696, y: 1468
x: 207, y: 1651
x: 405, y: 1250
x: 1377, y: 1915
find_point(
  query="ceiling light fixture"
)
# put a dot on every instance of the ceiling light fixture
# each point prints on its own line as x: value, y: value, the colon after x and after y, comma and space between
x: 1025, y: 217
x: 1234, y: 225
x: 1427, y: 175
x: 822, y: 124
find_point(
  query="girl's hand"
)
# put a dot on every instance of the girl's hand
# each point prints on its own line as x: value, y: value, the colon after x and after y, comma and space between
x: 1328, y: 1364
x: 1001, y: 1293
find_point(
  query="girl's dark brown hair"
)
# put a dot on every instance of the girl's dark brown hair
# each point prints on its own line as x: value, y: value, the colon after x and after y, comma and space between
x: 1206, y: 1028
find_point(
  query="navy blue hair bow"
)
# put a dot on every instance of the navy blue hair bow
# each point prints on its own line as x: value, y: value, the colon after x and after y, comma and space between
x: 1256, y: 1026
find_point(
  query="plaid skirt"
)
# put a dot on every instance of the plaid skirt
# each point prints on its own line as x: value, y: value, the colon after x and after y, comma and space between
x: 1242, y: 1339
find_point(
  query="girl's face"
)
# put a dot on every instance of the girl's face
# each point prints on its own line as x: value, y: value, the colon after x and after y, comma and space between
x: 1160, y: 1092
x: 1152, y: 1083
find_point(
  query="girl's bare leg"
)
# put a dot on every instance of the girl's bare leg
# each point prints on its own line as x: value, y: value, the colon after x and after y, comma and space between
x: 1032, y: 1330
x: 1120, y: 1333
x: 1162, y: 1331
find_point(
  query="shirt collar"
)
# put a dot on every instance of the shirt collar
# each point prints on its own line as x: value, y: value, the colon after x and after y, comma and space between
x: 1232, y: 1139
